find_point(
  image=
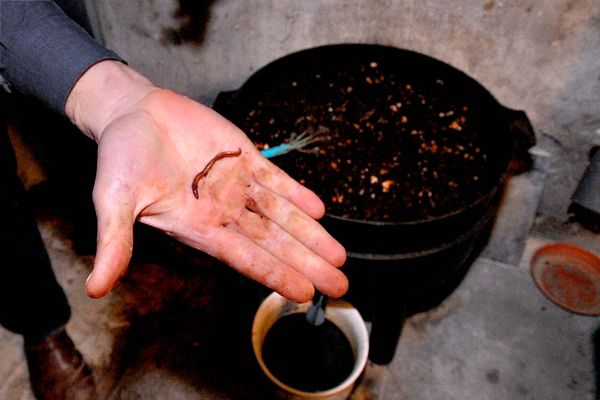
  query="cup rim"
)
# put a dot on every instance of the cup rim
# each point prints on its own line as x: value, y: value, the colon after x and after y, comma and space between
x: 361, y: 355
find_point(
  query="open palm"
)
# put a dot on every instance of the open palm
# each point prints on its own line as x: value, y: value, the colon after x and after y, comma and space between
x: 248, y: 213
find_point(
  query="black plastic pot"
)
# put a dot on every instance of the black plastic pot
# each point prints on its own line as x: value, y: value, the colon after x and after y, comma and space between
x: 394, y: 265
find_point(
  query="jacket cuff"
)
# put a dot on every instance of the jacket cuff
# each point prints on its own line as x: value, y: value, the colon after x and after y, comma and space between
x: 43, y: 52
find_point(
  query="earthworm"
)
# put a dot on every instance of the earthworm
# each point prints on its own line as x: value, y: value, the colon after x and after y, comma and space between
x: 212, y: 162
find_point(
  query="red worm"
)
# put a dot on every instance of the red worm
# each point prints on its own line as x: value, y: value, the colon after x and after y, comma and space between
x: 212, y: 162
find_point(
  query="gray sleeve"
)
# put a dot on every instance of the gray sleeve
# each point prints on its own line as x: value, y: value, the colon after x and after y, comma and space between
x: 43, y: 52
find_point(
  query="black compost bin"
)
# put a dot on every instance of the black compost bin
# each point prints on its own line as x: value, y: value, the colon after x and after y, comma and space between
x: 398, y: 267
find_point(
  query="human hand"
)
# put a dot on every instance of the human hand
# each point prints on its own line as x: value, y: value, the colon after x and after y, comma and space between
x: 249, y: 214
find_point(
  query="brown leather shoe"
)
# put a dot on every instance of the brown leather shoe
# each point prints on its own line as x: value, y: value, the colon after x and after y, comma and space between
x: 57, y: 370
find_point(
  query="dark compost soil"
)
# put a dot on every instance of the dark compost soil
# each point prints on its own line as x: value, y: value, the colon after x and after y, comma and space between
x: 306, y: 357
x: 391, y: 148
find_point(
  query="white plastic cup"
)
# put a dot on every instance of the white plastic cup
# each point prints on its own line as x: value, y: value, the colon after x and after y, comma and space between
x: 342, y: 314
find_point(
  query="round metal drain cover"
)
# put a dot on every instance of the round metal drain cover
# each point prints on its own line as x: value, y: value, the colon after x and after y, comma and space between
x: 569, y: 276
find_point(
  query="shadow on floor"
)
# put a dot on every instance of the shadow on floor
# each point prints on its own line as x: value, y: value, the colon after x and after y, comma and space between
x: 199, y: 333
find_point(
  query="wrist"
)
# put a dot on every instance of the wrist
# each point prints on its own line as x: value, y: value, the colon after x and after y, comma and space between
x: 106, y: 91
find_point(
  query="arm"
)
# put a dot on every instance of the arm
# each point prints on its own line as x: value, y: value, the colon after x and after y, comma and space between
x: 43, y: 52
x: 151, y: 144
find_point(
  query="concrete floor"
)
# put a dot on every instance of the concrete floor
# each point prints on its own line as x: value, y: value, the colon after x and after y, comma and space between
x: 178, y: 326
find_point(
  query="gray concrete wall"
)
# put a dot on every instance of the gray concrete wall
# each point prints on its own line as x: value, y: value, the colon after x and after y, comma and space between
x: 541, y: 56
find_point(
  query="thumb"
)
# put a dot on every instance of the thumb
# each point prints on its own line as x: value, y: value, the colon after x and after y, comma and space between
x: 114, y: 243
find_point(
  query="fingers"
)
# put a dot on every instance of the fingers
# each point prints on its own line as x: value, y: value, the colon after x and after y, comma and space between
x: 242, y: 254
x: 272, y: 177
x: 299, y: 225
x: 115, y: 243
x: 268, y: 235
